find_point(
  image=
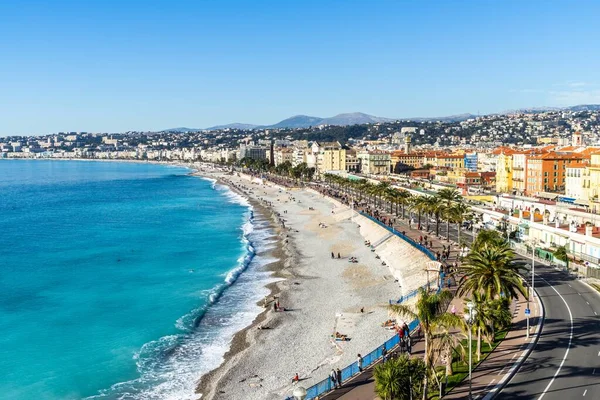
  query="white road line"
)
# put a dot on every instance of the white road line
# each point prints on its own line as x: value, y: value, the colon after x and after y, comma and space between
x: 568, y: 347
x: 569, y: 286
x: 583, y: 392
x: 595, y: 313
x: 594, y: 371
x: 588, y: 303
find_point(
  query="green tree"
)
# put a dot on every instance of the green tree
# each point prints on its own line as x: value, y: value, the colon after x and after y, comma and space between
x: 491, y: 270
x: 398, y: 377
x: 489, y: 237
x: 562, y: 254
x: 430, y: 310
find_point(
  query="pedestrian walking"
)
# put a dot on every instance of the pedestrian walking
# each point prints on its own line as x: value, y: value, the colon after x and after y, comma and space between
x: 339, y: 377
x: 333, y: 377
x: 332, y: 256
x: 408, y: 345
x: 384, y: 353
x: 359, y: 361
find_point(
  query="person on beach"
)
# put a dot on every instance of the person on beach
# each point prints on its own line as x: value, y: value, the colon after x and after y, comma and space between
x: 332, y: 256
x: 339, y: 256
x: 359, y: 361
x: 296, y: 378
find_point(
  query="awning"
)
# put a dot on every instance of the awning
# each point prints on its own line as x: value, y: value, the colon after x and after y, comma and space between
x: 567, y: 199
x: 548, y: 196
x: 581, y: 202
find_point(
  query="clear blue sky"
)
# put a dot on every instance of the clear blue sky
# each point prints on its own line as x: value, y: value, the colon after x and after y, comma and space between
x: 109, y: 66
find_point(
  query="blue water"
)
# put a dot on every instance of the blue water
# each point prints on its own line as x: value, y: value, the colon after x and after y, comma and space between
x: 107, y: 276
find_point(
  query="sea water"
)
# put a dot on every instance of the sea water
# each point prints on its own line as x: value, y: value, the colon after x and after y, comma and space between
x: 120, y: 280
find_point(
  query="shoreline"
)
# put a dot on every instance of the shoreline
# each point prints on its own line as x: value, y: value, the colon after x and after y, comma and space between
x: 260, y: 364
x: 207, y: 384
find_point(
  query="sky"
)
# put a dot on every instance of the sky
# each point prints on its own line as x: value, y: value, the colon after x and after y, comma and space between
x: 115, y: 66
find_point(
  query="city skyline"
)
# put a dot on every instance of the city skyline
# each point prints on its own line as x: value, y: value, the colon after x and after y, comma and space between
x: 114, y: 67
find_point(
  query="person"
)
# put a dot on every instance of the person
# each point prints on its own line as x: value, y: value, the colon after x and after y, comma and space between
x: 408, y: 345
x: 339, y: 256
x: 384, y: 353
x: 453, y: 309
x: 274, y: 306
x: 333, y: 377
x: 339, y: 377
x: 359, y: 361
x: 332, y: 256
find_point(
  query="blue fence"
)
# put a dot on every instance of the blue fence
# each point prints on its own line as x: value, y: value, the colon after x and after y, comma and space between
x: 413, y: 243
x: 326, y: 385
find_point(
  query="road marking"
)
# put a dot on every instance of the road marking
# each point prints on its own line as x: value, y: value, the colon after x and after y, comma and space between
x: 570, y: 286
x: 588, y: 303
x: 594, y: 371
x: 579, y: 294
x: 568, y: 347
x: 585, y: 392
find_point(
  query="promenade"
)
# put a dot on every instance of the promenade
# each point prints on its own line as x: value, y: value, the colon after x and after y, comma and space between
x: 495, y: 370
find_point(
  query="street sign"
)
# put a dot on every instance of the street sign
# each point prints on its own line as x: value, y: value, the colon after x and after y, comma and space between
x: 527, y: 311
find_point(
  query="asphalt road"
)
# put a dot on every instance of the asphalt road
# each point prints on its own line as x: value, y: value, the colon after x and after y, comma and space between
x: 565, y: 363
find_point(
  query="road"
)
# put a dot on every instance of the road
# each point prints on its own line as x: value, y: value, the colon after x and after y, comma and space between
x: 565, y: 363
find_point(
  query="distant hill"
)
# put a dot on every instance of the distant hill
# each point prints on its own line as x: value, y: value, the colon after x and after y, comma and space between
x: 450, y: 118
x: 355, y: 118
x: 180, y: 130
x: 235, y: 125
x: 585, y: 107
x: 297, y: 121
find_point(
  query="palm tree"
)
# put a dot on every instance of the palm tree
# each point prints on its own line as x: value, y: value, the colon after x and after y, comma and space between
x: 430, y: 310
x: 449, y: 195
x: 419, y: 204
x: 435, y: 207
x: 404, y: 198
x: 487, y: 236
x: 446, y: 342
x: 491, y: 270
x: 395, y: 376
x: 457, y: 213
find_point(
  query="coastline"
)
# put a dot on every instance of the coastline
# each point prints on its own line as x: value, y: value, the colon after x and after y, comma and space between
x: 260, y: 363
x: 207, y: 385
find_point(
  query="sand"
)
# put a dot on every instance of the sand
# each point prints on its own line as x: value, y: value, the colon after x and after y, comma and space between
x: 321, y: 295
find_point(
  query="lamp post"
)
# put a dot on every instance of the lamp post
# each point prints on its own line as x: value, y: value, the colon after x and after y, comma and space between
x: 531, y: 294
x: 299, y: 393
x: 469, y: 318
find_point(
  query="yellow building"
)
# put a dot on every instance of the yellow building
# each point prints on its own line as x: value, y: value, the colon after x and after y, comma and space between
x: 504, y: 176
x: 332, y: 159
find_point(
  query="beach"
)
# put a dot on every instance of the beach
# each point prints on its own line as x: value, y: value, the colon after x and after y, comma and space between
x: 321, y: 295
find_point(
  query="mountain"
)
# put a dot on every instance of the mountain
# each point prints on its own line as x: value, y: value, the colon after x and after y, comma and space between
x: 180, y: 130
x: 297, y: 121
x: 449, y: 118
x: 355, y: 118
x: 235, y: 125
x: 585, y: 107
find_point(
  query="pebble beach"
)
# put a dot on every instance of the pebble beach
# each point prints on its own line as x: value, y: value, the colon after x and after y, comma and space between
x: 321, y: 295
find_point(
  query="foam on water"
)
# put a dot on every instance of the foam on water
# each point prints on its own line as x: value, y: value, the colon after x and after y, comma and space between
x: 170, y: 367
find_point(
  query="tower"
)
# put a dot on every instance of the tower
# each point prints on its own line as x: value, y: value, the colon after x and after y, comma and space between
x: 407, y: 143
x: 577, y: 139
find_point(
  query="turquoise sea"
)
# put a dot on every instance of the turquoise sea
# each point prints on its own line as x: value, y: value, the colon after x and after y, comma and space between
x: 120, y: 280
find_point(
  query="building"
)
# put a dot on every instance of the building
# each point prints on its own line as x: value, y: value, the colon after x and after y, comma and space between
x: 375, y: 162
x: 253, y: 152
x: 547, y: 172
x: 402, y: 161
x: 352, y: 161
x: 574, y: 181
x: 504, y: 183
x: 471, y: 162
x: 331, y: 159
x: 283, y: 155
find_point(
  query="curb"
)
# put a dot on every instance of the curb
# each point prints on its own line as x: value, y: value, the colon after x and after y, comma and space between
x: 495, y: 391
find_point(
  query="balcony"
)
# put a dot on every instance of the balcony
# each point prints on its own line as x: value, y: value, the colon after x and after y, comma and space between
x: 518, y: 169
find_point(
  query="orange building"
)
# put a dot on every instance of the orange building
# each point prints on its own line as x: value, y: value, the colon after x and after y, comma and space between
x: 547, y: 172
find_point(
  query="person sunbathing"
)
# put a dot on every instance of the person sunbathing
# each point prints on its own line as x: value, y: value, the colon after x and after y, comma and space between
x: 339, y: 336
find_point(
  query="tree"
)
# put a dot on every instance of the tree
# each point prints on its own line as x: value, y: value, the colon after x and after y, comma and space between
x: 491, y: 270
x: 486, y: 236
x: 446, y: 342
x: 562, y: 254
x: 457, y: 213
x: 397, y: 377
x: 430, y: 310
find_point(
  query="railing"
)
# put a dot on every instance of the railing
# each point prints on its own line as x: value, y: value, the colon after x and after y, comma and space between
x: 410, y: 241
x: 326, y: 385
x: 414, y: 293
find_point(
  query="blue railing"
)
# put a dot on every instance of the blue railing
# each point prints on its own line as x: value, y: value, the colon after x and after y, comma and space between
x: 412, y: 294
x: 326, y: 385
x: 412, y: 242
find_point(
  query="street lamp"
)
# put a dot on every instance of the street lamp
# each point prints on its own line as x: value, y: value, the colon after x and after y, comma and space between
x: 470, y: 317
x: 530, y: 297
x: 299, y: 393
